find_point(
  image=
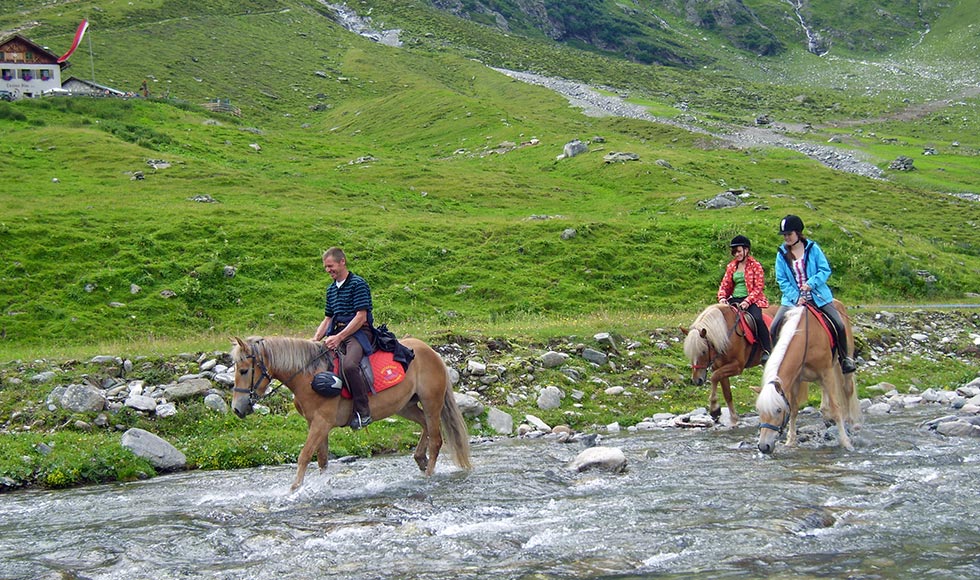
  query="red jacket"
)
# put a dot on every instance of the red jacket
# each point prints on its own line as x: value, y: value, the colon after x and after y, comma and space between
x: 755, y: 282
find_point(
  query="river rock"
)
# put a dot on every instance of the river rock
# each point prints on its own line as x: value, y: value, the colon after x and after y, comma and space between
x: 549, y: 398
x: 538, y: 423
x: 594, y: 356
x: 552, y: 359
x: 166, y: 410
x: 500, y: 421
x: 879, y: 409
x: 604, y: 458
x: 44, y: 377
x: 83, y: 398
x: 958, y: 429
x: 162, y: 455
x: 187, y: 389
x: 216, y: 403
x: 469, y: 405
x: 141, y: 403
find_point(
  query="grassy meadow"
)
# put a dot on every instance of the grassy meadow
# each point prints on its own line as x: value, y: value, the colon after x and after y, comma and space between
x: 439, y: 177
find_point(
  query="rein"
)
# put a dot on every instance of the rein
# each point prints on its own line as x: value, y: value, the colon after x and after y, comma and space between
x: 779, y: 389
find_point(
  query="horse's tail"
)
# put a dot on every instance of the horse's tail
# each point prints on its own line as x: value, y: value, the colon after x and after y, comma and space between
x: 454, y: 428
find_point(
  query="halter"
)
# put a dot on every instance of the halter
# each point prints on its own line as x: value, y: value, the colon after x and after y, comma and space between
x: 782, y: 427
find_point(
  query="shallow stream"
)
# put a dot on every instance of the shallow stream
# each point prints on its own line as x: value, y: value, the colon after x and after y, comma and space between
x: 904, y: 504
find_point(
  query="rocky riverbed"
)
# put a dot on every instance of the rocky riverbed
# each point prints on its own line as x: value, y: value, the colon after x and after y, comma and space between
x: 499, y: 383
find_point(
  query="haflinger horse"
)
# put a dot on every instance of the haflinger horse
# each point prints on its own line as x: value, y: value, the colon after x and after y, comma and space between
x: 716, y: 340
x: 804, y: 354
x: 424, y: 396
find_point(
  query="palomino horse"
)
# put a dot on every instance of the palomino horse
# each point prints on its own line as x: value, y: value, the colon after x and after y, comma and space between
x: 425, y: 396
x: 804, y: 354
x: 717, y: 341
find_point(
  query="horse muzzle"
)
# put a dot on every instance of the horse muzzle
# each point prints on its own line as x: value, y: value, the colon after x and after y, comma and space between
x: 242, y: 407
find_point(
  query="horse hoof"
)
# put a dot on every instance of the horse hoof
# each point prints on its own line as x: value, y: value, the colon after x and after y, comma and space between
x: 716, y: 415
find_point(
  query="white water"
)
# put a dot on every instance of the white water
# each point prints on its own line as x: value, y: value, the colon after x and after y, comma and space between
x: 902, y: 505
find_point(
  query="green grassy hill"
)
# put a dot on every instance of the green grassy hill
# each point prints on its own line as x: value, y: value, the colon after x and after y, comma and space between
x: 419, y: 161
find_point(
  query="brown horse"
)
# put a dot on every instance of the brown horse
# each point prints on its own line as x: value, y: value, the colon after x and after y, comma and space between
x: 717, y: 341
x: 425, y: 396
x: 804, y: 354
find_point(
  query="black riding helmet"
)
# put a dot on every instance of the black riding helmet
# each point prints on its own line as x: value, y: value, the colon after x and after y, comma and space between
x: 740, y: 241
x: 791, y: 223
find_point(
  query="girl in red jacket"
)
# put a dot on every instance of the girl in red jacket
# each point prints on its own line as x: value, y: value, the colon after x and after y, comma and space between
x: 743, y: 285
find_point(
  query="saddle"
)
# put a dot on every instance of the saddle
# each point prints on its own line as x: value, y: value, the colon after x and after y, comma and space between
x: 380, y: 371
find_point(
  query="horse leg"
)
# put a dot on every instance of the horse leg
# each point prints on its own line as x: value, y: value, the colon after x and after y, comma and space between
x: 837, y: 408
x: 323, y: 453
x: 726, y: 390
x: 412, y: 412
x: 315, y: 439
x: 794, y: 409
x: 713, y: 408
x: 432, y: 405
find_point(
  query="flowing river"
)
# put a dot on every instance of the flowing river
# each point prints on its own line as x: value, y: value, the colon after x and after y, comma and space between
x: 904, y: 504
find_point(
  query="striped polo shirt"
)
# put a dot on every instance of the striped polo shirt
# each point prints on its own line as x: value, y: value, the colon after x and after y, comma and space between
x: 344, y: 302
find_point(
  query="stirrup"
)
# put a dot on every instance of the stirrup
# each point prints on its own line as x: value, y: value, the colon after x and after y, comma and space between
x: 847, y: 365
x: 357, y: 421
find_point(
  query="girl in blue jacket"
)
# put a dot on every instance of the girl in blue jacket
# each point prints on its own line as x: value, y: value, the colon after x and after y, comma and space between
x: 802, y: 271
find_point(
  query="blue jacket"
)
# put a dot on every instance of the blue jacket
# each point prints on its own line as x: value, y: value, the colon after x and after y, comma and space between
x: 817, y: 272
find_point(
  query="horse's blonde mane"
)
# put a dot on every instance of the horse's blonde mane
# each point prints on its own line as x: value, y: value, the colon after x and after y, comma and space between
x: 712, y: 320
x: 770, y: 400
x: 289, y: 355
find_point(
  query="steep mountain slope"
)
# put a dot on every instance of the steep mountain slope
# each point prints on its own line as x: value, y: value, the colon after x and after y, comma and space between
x: 436, y: 172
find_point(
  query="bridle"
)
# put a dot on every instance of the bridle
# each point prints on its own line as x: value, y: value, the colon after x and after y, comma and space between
x: 782, y: 427
x: 256, y: 380
x: 711, y: 349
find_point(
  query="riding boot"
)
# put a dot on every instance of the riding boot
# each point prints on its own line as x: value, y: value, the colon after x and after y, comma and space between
x: 351, y: 369
x: 765, y: 340
x: 361, y: 417
x: 846, y: 362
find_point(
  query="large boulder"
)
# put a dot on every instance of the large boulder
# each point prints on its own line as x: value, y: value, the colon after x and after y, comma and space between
x: 187, y: 389
x: 82, y: 398
x: 604, y: 458
x: 162, y: 455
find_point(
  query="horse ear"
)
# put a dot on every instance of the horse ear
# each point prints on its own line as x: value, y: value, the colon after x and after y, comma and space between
x: 241, y: 344
x: 683, y: 330
x: 756, y: 389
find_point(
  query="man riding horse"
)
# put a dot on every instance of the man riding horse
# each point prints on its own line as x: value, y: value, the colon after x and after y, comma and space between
x: 347, y: 329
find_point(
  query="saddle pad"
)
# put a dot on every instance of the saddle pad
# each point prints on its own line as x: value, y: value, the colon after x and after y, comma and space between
x: 825, y: 323
x: 387, y: 372
x: 745, y: 319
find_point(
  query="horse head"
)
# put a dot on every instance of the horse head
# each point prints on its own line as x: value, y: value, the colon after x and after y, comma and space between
x: 251, y: 376
x: 699, y: 350
x: 774, y: 411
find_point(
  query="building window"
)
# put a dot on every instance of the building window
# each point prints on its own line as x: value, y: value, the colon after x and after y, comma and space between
x: 45, y: 74
x: 8, y: 74
x: 26, y: 74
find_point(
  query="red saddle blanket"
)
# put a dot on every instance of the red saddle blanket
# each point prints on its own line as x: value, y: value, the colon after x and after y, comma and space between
x: 824, y: 322
x: 746, y: 321
x: 387, y: 372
